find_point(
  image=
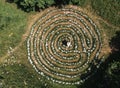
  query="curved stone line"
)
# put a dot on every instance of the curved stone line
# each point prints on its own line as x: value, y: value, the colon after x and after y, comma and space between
x: 58, y: 62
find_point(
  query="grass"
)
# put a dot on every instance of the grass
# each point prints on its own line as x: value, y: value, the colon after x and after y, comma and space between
x: 17, y: 72
x: 18, y: 76
x: 110, y: 32
x: 21, y: 76
x: 108, y: 10
x: 12, y: 26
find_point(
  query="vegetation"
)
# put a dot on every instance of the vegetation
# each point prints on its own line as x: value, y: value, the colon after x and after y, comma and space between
x: 108, y: 75
x: 73, y: 75
x: 108, y: 9
x: 12, y: 26
x: 36, y: 5
x: 18, y: 76
x: 21, y: 76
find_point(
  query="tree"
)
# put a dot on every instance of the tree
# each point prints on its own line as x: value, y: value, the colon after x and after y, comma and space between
x: 32, y: 5
x: 28, y: 5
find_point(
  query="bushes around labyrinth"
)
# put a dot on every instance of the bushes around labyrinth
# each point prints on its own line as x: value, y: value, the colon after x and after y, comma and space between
x: 36, y: 5
x: 108, y: 9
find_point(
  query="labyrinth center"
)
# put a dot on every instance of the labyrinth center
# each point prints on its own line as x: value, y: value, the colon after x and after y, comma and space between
x: 64, y: 44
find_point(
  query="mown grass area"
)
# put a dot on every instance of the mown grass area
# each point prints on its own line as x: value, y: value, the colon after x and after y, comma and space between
x: 12, y: 26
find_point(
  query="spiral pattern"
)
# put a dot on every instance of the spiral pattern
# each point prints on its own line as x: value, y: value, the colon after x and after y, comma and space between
x: 62, y: 44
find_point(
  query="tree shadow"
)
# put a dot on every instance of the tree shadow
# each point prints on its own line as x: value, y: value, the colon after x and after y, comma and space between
x: 1, y: 77
x: 108, y: 74
x: 61, y: 3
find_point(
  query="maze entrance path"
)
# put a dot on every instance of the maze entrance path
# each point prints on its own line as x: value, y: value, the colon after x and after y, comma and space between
x: 64, y: 44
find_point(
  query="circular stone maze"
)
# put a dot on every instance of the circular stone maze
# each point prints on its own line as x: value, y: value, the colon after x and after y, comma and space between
x: 64, y: 45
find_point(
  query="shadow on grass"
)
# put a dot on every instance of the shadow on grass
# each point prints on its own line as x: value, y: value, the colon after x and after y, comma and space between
x: 1, y: 77
x: 108, y: 75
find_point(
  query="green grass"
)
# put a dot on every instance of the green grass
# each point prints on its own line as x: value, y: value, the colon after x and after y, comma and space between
x: 18, y: 76
x: 109, y: 10
x: 109, y: 31
x: 12, y: 26
x: 21, y: 76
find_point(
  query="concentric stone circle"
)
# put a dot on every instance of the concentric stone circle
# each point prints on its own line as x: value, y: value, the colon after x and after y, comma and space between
x: 62, y: 45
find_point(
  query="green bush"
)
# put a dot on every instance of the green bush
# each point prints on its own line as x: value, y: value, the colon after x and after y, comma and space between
x: 33, y: 5
x: 78, y: 2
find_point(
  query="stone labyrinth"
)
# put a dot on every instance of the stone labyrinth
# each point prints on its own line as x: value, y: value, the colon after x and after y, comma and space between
x: 63, y: 45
